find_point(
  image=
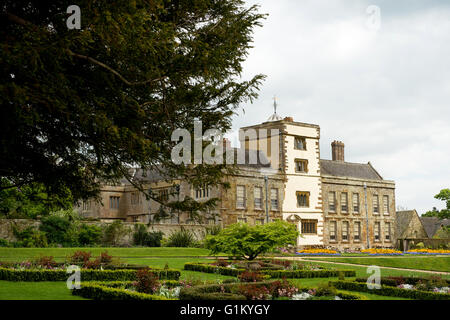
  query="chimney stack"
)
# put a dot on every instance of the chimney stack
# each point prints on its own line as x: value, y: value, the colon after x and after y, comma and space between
x: 337, y: 150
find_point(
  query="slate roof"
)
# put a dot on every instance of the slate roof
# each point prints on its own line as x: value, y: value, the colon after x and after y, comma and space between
x: 159, y: 175
x: 433, y: 224
x: 348, y: 169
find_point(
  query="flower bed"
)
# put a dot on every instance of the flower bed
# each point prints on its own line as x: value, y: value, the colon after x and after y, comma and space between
x: 382, y: 252
x: 318, y: 252
x: 324, y: 273
x: 431, y: 284
x: 428, y: 252
x: 390, y: 291
x: 130, y: 290
x: 266, y: 290
x: 86, y: 274
x: 83, y: 259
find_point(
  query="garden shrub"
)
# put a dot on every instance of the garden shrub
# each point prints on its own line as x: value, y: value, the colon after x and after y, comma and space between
x: 181, y: 238
x: 80, y: 257
x: 59, y: 230
x: 247, y: 241
x: 141, y: 237
x: 282, y: 289
x: 86, y: 274
x: 46, y: 262
x: 249, y: 276
x: 29, y: 238
x: 324, y: 289
x: 105, y: 258
x: 4, y: 243
x: 89, y: 235
x: 222, y: 263
x: 114, y: 232
x: 254, y: 292
x: 285, y: 263
x: 147, y: 281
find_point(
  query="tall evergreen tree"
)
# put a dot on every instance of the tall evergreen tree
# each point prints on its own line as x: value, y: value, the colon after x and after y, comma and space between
x: 79, y: 106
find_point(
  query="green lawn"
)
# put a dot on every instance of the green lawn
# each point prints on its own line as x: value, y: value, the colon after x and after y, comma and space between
x: 177, y: 257
x: 35, y: 291
x: 419, y: 262
x: 20, y: 254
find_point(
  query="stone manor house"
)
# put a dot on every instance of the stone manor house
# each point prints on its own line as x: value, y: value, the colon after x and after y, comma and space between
x: 334, y: 203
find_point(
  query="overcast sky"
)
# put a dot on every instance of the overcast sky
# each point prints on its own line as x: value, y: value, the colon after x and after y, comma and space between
x: 385, y: 93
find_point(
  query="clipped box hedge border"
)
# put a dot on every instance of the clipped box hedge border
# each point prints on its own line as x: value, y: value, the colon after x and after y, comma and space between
x: 393, y: 282
x: 215, y: 292
x: 389, y: 291
x: 99, y: 291
x: 86, y: 275
x: 289, y: 274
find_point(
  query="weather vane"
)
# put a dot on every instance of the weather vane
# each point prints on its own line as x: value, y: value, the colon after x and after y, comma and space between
x: 275, y: 104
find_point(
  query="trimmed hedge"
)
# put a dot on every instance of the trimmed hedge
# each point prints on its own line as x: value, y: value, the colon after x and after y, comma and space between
x: 389, y: 291
x: 86, y: 274
x: 346, y: 295
x: 114, y: 290
x: 393, y: 282
x: 203, y: 267
x: 292, y: 274
x: 289, y: 274
x: 98, y: 291
x: 216, y: 291
x: 229, y: 292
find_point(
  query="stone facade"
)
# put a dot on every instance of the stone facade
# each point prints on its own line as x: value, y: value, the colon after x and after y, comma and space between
x: 253, y: 212
x: 350, y: 218
x: 297, y: 142
x: 298, y: 183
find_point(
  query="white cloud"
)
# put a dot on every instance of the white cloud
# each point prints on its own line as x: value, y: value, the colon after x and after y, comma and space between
x: 385, y: 94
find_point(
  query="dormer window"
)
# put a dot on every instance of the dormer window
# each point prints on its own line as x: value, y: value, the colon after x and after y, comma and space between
x: 300, y: 143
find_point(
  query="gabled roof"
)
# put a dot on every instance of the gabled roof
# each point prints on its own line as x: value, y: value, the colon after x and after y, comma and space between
x: 403, y: 219
x: 433, y: 224
x: 348, y: 169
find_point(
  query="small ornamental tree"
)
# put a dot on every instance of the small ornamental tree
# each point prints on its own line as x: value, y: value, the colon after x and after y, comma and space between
x: 250, y: 241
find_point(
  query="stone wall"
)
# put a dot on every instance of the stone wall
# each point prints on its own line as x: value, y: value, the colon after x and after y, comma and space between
x: 6, y: 228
